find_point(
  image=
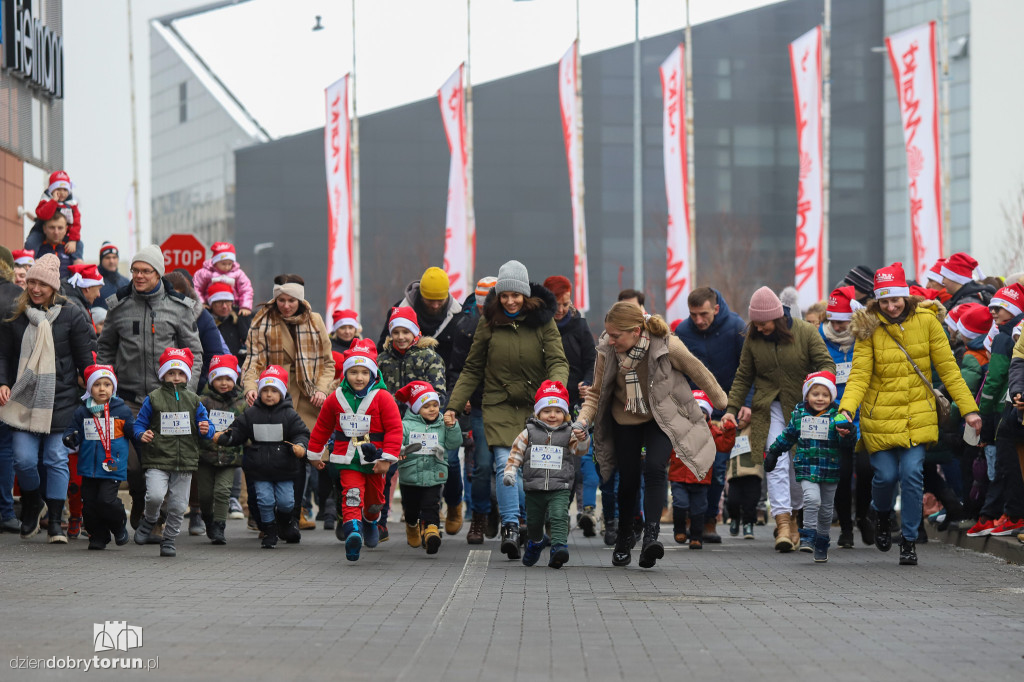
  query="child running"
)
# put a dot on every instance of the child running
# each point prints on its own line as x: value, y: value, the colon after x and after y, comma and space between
x: 223, y: 399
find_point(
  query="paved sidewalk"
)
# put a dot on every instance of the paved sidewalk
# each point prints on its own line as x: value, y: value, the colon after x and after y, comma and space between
x: 737, y: 611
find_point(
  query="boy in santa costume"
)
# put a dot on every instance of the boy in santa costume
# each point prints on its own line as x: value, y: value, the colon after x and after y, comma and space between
x: 57, y: 199
x: 364, y: 420
x: 223, y: 268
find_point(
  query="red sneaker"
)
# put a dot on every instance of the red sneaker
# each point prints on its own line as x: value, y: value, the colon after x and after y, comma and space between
x: 981, y: 528
x: 74, y: 526
x: 1008, y: 526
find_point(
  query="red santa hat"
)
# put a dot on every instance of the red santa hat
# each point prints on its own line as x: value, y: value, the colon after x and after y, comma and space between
x: 975, y: 320
x: 551, y: 394
x: 94, y: 373
x: 1009, y: 298
x: 85, y: 276
x: 362, y: 353
x: 839, y: 304
x: 925, y: 293
x: 404, y: 317
x: 339, y: 365
x: 341, y: 318
x: 960, y: 268
x: 953, y: 316
x: 176, y: 358
x: 704, y: 401
x: 934, y: 273
x: 416, y: 394
x: 675, y: 324
x: 223, y: 366
x: 223, y: 251
x: 23, y: 257
x: 219, y: 291
x: 826, y: 379
x: 59, y: 180
x: 274, y: 376
x: 891, y: 282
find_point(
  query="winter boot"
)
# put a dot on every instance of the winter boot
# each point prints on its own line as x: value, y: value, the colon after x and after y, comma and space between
x: 32, y: 509
x: 748, y: 531
x: 510, y: 540
x: 846, y: 534
x: 167, y: 548
x: 679, y: 526
x: 382, y: 531
x: 559, y: 556
x: 56, y: 531
x: 621, y: 554
x: 477, y: 526
x: 431, y: 538
x: 588, y: 522
x: 883, y: 537
x: 306, y: 523
x: 867, y: 530
x: 531, y: 554
x: 121, y: 536
x: 820, y: 549
x: 795, y: 524
x: 453, y: 519
x: 353, y: 540
x: 908, y: 553
x: 143, y: 530
x: 734, y: 526
x: 371, y: 532
x: 288, y: 527
x: 783, y: 542
x: 611, y: 531
x: 96, y: 544
x: 412, y: 534
x: 196, y: 524
x: 711, y: 535
x: 652, y: 549
x: 269, y: 540
x: 807, y: 539
x: 217, y: 534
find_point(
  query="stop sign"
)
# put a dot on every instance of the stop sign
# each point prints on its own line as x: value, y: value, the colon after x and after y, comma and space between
x: 183, y: 251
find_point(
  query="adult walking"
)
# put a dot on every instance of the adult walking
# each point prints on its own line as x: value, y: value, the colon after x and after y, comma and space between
x: 45, y: 346
x: 112, y: 277
x: 900, y: 336
x: 9, y: 293
x: 641, y: 398
x: 778, y: 353
x: 516, y: 347
x: 146, y: 317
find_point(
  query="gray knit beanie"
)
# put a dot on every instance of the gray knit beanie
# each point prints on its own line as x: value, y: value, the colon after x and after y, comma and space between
x: 512, y: 276
x: 153, y: 256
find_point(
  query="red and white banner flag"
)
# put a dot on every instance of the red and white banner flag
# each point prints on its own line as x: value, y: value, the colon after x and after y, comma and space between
x: 914, y: 67
x: 673, y: 93
x: 458, y: 252
x: 567, y: 87
x: 805, y: 64
x: 340, y: 273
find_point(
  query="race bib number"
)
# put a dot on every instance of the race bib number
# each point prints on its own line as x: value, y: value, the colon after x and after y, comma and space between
x: 741, y: 447
x: 843, y: 372
x: 546, y: 457
x: 427, y: 441
x: 268, y: 433
x: 221, y: 420
x: 90, y: 430
x: 354, y: 424
x: 814, y: 428
x: 175, y: 424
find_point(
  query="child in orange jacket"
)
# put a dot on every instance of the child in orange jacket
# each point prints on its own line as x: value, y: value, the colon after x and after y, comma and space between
x: 690, y: 495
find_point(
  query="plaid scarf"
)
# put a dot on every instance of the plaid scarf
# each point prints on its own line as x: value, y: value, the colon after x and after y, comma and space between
x: 308, y: 357
x: 628, y: 362
x: 30, y: 407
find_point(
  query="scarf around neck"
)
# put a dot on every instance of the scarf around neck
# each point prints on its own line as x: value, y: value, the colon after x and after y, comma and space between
x: 628, y: 362
x: 30, y: 407
x: 844, y: 340
x: 308, y: 361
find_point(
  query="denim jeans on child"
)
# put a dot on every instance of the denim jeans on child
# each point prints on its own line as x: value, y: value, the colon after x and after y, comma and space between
x: 274, y: 494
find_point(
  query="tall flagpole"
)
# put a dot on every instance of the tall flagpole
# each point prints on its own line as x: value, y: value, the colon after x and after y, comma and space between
x: 356, y: 265
x: 638, y: 226
x: 579, y: 175
x: 137, y: 246
x: 946, y: 169
x: 470, y: 211
x: 826, y: 140
x: 691, y: 208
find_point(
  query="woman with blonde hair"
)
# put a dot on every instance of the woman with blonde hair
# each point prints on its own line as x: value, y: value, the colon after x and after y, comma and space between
x: 641, y: 397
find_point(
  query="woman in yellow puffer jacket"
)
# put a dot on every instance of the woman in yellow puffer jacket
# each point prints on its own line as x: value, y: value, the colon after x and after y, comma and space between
x: 897, y: 409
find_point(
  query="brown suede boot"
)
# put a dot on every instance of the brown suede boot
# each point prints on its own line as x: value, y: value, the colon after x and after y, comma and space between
x: 477, y: 525
x: 794, y: 531
x: 453, y: 519
x: 412, y: 534
x: 783, y: 541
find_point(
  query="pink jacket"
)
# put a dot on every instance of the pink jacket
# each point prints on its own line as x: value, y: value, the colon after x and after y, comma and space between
x: 235, y: 277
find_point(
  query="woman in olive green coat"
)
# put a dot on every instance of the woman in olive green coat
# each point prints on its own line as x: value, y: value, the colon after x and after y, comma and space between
x: 778, y: 354
x: 516, y: 347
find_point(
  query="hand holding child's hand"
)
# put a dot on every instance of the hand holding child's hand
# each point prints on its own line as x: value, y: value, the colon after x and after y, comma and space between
x: 298, y: 450
x: 244, y: 312
x: 381, y: 466
x: 509, y: 479
x: 319, y: 465
x: 204, y: 428
x: 70, y: 247
x: 449, y: 418
x: 147, y: 436
x: 771, y: 458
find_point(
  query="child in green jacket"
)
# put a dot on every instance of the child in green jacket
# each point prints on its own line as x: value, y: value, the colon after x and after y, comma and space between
x: 423, y: 469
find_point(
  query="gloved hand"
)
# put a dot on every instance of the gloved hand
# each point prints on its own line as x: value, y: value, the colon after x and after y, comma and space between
x: 411, y: 448
x: 370, y: 452
x: 771, y: 458
x: 441, y: 454
x: 70, y: 440
x: 509, y: 479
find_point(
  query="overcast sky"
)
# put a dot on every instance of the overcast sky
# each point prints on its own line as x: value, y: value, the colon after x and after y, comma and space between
x: 266, y: 53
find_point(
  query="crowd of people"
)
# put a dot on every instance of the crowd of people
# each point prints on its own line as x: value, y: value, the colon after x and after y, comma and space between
x: 206, y: 405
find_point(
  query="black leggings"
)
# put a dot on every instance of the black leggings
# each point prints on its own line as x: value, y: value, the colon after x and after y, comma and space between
x: 421, y: 503
x: 102, y: 508
x: 629, y: 439
x: 744, y: 493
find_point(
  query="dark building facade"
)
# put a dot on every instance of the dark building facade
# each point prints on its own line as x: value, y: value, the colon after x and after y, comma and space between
x: 745, y: 171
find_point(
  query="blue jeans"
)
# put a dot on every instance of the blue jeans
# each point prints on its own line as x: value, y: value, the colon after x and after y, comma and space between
x: 717, y: 484
x: 55, y: 461
x: 6, y: 473
x: 483, y: 466
x: 590, y: 479
x: 691, y: 497
x: 453, y: 486
x: 511, y: 499
x: 905, y: 466
x: 271, y: 494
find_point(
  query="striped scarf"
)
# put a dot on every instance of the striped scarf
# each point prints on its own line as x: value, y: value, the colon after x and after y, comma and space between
x: 628, y: 362
x: 30, y: 407
x: 308, y: 358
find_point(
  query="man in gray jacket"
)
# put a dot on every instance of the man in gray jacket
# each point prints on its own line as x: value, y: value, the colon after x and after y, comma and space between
x: 146, y: 317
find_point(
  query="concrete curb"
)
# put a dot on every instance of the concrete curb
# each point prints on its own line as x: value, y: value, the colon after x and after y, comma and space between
x: 1007, y: 547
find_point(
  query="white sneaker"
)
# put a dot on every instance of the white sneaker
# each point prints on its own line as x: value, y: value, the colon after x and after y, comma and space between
x: 235, y: 509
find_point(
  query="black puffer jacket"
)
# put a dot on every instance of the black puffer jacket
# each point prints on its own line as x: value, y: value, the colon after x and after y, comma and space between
x: 264, y: 429
x: 972, y: 292
x: 234, y: 329
x: 580, y: 351
x: 73, y: 343
x: 441, y: 326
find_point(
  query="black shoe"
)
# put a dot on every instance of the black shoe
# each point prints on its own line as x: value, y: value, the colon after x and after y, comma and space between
x: 167, y: 548
x: 329, y: 523
x: 215, y: 531
x: 208, y: 524
x: 621, y: 554
x: 96, y: 543
x: 883, y: 537
x: 510, y: 540
x: 122, y: 538
x: 269, y: 540
x: 734, y: 527
x: 288, y: 528
x: 56, y: 532
x: 845, y: 538
x: 867, y: 531
x: 908, y: 553
x: 493, y: 522
x: 382, y: 530
x: 611, y: 532
x: 136, y: 514
x: 748, y: 531
x: 652, y: 548
x: 32, y: 508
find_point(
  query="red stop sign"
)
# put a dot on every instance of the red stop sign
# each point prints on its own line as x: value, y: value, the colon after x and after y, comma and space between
x: 183, y: 251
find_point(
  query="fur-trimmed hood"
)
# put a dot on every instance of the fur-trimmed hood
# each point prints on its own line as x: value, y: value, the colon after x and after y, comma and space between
x: 538, y: 308
x: 423, y: 342
x: 866, y: 320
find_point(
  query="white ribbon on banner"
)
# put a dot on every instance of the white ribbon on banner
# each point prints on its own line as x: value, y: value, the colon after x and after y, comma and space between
x: 677, y: 276
x: 567, y: 89
x: 458, y: 253
x: 340, y: 274
x: 915, y: 70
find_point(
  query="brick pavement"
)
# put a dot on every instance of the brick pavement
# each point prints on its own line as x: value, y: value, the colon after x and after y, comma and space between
x: 735, y: 611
